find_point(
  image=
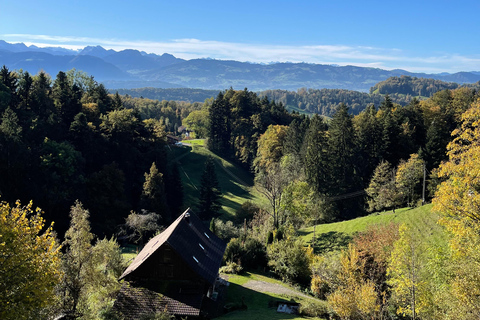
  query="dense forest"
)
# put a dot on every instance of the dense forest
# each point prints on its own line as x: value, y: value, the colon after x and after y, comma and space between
x: 413, y: 86
x: 97, y: 164
x: 177, y: 94
x: 67, y: 138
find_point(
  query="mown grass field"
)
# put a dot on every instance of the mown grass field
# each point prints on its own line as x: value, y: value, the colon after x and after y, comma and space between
x: 235, y: 182
x: 335, y: 236
x: 260, y: 305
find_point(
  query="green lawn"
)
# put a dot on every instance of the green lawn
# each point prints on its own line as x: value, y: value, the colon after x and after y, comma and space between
x: 197, y: 142
x: 334, y: 236
x: 259, y: 305
x: 235, y: 182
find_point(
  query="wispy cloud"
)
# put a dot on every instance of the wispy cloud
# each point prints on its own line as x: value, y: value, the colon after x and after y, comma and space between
x: 386, y: 58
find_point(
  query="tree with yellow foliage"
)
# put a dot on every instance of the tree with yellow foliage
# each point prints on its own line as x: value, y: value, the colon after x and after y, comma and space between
x: 29, y: 262
x: 355, y: 297
x: 459, y: 195
x: 405, y: 270
x: 458, y: 200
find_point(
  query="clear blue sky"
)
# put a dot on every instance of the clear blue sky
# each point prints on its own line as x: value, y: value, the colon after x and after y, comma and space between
x: 421, y: 36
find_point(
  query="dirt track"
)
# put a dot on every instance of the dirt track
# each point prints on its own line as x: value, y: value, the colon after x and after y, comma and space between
x: 262, y: 286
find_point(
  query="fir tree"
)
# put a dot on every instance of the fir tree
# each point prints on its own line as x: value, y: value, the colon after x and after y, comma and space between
x: 174, y: 190
x: 209, y: 202
x: 219, y: 125
x: 315, y: 157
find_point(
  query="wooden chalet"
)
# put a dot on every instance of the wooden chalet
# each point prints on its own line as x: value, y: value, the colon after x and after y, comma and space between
x: 177, y: 272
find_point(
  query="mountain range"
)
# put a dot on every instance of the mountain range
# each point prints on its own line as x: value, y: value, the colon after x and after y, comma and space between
x: 136, y: 69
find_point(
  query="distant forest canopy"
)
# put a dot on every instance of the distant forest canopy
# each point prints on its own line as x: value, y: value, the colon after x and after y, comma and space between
x: 322, y: 101
x: 416, y: 86
x: 177, y: 94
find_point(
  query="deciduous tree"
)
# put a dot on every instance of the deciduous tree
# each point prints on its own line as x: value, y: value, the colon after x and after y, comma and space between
x: 29, y: 262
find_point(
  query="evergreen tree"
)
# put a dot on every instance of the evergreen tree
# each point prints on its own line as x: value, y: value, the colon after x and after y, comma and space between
x: 342, y: 158
x: 77, y: 262
x: 294, y: 138
x: 219, y: 128
x: 209, y: 202
x: 153, y: 196
x: 367, y: 133
x: 314, y: 149
x: 435, y: 149
x: 9, y: 79
x: 342, y: 151
x: 117, y: 102
x: 382, y: 189
x: 174, y: 190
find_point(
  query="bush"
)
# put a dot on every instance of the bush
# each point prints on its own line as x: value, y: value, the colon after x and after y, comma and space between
x: 246, y: 211
x: 234, y: 250
x: 231, y: 268
x: 250, y: 254
x: 226, y: 230
x: 254, y: 254
x: 312, y: 308
x: 289, y: 260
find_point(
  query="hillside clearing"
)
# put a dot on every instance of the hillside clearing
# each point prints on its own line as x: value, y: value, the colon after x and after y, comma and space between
x: 235, y: 182
x: 335, y: 236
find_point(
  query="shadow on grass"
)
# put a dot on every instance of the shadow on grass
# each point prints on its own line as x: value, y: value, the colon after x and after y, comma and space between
x: 258, y: 305
x: 331, y: 241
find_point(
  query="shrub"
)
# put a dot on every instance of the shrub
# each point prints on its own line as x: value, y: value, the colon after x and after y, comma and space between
x: 226, y: 230
x: 250, y: 254
x: 254, y: 254
x: 312, y: 308
x: 234, y: 250
x: 289, y: 259
x: 246, y: 211
x: 231, y: 268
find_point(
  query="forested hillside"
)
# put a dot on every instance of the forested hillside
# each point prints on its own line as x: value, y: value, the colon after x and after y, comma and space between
x: 98, y: 165
x: 413, y: 86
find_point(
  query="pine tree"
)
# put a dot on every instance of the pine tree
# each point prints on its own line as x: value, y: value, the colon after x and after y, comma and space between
x: 209, y: 202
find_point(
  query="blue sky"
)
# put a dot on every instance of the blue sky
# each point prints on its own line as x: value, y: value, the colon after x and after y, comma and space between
x: 420, y: 36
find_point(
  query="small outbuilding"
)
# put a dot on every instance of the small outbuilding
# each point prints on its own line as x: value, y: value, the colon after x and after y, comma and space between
x: 176, y: 272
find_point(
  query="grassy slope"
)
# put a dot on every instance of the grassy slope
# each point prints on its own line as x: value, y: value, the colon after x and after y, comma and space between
x: 257, y: 302
x: 337, y: 235
x: 234, y: 193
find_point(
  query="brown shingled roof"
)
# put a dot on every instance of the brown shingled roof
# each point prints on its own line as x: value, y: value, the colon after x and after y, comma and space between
x: 193, y: 241
x: 135, y: 302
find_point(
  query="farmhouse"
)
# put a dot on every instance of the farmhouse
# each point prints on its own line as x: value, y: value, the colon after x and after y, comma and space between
x: 177, y: 272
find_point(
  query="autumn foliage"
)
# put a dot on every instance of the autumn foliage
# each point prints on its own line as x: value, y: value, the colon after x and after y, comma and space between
x: 29, y: 262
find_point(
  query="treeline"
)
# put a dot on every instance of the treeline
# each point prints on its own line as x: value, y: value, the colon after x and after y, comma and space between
x: 236, y: 121
x: 416, y: 87
x: 176, y: 94
x: 326, y: 101
x: 66, y: 138
x: 170, y: 113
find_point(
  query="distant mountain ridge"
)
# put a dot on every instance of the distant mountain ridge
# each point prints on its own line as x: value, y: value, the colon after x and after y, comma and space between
x: 129, y: 68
